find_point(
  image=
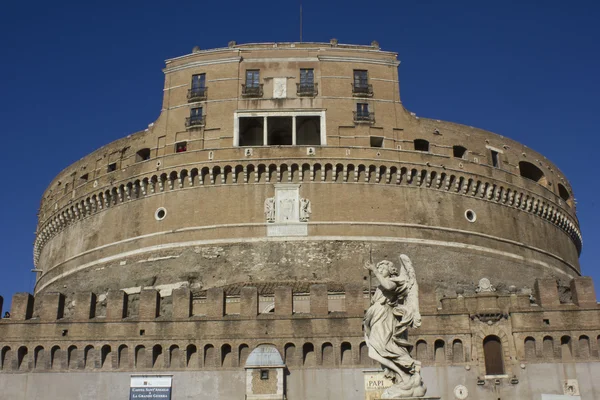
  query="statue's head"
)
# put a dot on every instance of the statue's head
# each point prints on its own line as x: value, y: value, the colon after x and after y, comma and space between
x: 387, y: 268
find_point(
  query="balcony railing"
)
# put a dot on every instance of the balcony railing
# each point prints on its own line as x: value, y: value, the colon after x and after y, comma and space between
x: 252, y: 91
x: 195, y: 121
x: 197, y: 94
x: 364, y: 117
x: 362, y: 90
x: 306, y: 89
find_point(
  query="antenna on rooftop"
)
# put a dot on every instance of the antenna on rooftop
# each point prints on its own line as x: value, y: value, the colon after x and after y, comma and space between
x: 300, y: 21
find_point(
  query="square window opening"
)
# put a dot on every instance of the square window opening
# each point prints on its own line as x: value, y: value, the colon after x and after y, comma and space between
x: 376, y: 141
x: 111, y: 167
x: 264, y: 374
x: 279, y: 131
x: 142, y: 155
x: 308, y: 131
x: 251, y: 130
x: 83, y: 178
x: 180, y: 147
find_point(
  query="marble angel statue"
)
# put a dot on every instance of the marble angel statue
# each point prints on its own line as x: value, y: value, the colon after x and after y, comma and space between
x: 395, y: 308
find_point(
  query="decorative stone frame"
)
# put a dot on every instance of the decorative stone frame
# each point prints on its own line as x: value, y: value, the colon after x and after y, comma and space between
x: 483, y: 332
x: 265, y: 114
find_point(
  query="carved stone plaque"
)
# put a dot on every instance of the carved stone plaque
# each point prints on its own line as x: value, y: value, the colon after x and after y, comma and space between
x: 279, y: 88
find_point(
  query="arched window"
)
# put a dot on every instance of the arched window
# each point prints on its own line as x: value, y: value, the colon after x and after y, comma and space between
x: 530, y: 171
x: 421, y: 145
x: 458, y: 353
x: 39, y: 357
x: 89, y: 357
x: 421, y: 350
x: 459, y: 152
x: 105, y: 357
x: 191, y: 356
x: 226, y: 357
x: 140, y: 357
x: 583, y: 347
x: 175, y: 359
x: 123, y: 356
x: 308, y: 355
x: 56, y: 358
x: 290, y: 354
x: 565, y: 195
x: 439, y: 351
x: 5, y: 358
x: 210, y: 355
x: 243, y: 353
x: 492, y: 351
x: 364, y: 354
x: 346, y: 353
x: 157, y: 356
x: 548, y: 348
x: 529, y: 345
x: 327, y: 354
x: 566, y: 351
x: 22, y: 358
x: 72, y: 357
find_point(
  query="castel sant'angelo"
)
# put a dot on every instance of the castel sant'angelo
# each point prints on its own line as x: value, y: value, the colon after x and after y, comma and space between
x: 220, y: 252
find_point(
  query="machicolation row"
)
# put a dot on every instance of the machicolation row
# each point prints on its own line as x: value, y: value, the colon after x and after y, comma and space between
x: 417, y: 176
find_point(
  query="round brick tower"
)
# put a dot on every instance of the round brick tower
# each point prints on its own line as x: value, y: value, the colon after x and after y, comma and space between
x: 296, y: 162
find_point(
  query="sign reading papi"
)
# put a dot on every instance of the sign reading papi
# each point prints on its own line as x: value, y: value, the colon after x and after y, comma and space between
x: 150, y: 387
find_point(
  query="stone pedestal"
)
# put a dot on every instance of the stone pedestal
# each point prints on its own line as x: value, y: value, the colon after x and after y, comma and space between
x: 376, y: 383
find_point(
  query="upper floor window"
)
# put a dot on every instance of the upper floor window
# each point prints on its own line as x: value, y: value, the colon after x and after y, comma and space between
x: 307, y: 86
x: 285, y: 129
x: 180, y: 147
x: 142, y: 155
x: 252, y: 87
x: 495, y: 159
x: 361, y: 86
x: 198, y: 90
x: 362, y: 113
x: 196, y: 118
x: 459, y: 151
x: 198, y: 81
x: 421, y: 145
x: 252, y: 78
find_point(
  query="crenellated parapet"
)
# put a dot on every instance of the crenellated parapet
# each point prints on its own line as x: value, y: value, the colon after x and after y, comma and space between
x: 83, y: 331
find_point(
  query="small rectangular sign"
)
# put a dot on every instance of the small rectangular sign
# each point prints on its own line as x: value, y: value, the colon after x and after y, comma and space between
x: 150, y: 393
x: 150, y: 387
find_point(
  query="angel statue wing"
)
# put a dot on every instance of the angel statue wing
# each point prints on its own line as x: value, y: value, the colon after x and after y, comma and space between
x: 412, y: 298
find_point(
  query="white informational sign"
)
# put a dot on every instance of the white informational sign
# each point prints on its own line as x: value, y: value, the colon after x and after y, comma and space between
x: 150, y: 387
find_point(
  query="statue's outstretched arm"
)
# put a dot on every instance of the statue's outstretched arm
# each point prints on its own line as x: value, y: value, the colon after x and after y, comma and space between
x: 387, y: 283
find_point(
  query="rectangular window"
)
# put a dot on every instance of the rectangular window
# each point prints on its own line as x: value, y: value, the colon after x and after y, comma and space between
x: 252, y: 78
x: 495, y: 159
x: 308, y: 131
x: 199, y: 81
x: 361, y: 79
x: 362, y: 110
x: 307, y: 77
x: 196, y: 118
x: 279, y: 131
x: 112, y: 167
x: 376, y: 141
x: 180, y: 147
x: 251, y: 131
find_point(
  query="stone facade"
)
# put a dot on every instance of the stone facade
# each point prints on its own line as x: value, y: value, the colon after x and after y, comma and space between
x: 244, y: 214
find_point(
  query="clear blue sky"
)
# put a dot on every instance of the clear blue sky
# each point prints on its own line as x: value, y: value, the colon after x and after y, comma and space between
x: 78, y: 75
